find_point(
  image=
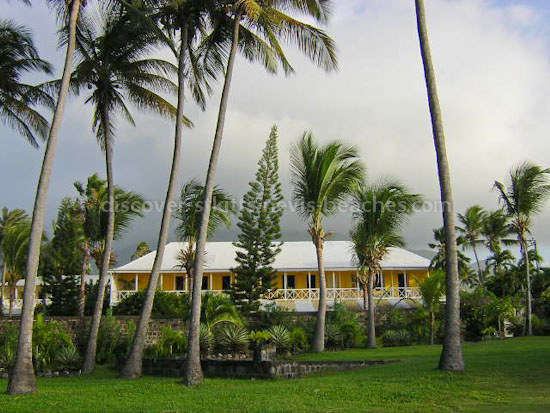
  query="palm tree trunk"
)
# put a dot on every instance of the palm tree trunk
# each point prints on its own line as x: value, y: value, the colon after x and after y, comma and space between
x: 432, y: 326
x: 88, y: 365
x: 451, y: 356
x: 479, y: 272
x: 528, y: 282
x: 365, y: 301
x: 371, y: 326
x: 12, y: 299
x: 82, y: 295
x: 133, y: 365
x: 192, y: 370
x: 319, y: 334
x: 2, y: 283
x: 22, y: 380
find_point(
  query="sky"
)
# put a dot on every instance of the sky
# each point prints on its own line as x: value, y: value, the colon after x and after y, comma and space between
x: 492, y: 61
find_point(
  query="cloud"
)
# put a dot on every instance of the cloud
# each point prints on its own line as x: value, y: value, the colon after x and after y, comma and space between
x: 491, y: 61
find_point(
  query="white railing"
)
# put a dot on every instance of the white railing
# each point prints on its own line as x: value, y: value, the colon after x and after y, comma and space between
x: 18, y: 303
x: 341, y: 294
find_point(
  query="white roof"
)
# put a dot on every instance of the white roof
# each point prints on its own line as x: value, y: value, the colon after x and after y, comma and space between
x: 294, y: 256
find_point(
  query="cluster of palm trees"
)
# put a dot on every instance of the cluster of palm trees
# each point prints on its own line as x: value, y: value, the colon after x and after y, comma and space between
x: 114, y: 68
x: 521, y: 198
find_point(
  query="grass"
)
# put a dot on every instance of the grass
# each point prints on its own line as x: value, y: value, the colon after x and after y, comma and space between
x: 504, y: 376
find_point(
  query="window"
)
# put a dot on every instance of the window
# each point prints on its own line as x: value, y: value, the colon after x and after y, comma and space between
x: 378, y: 281
x: 226, y: 282
x: 402, y: 280
x: 291, y: 282
x: 204, y: 282
x: 311, y: 281
x: 180, y: 282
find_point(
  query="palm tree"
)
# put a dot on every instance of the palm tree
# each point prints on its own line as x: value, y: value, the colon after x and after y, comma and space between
x: 186, y: 23
x: 524, y: 197
x: 472, y: 227
x: 257, y: 26
x: 111, y: 49
x: 439, y: 260
x: 19, y: 56
x: 380, y: 212
x: 322, y: 176
x: 22, y: 379
x: 189, y: 214
x: 142, y: 249
x: 432, y: 289
x: 14, y: 249
x: 451, y: 356
x: 7, y: 219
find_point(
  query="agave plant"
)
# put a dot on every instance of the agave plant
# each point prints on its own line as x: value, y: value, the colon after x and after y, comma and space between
x: 231, y: 338
x: 206, y: 339
x: 68, y: 358
x: 281, y: 338
x: 333, y: 335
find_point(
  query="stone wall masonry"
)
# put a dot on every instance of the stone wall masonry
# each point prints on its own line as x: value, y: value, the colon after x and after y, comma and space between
x: 247, y: 369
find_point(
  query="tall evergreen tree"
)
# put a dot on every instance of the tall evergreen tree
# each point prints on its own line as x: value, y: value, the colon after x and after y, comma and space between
x: 259, y: 222
x: 61, y: 260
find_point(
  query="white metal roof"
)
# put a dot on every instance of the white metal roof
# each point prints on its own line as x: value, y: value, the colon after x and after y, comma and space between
x: 295, y: 255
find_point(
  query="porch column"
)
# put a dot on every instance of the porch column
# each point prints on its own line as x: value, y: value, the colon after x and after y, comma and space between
x: 309, y: 285
x: 284, y: 281
x: 136, y: 282
x: 160, y: 283
x: 333, y: 280
x: 210, y: 283
x: 186, y: 282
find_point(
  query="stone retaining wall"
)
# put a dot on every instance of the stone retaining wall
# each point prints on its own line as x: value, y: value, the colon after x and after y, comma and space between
x: 246, y: 369
x: 78, y: 327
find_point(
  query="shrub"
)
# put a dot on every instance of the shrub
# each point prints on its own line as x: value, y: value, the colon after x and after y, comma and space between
x: 49, y: 338
x: 260, y: 337
x: 7, y: 358
x: 393, y: 338
x: 68, y: 358
x: 165, y: 304
x: 350, y: 333
x: 299, y: 340
x: 206, y: 339
x: 273, y: 315
x: 173, y: 342
x: 108, y: 339
x: 231, y: 338
x: 333, y: 336
x: 281, y: 338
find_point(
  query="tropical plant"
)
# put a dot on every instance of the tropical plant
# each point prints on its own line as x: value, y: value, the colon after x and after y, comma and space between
x: 432, y: 288
x: 259, y: 224
x: 23, y: 379
x: 142, y: 249
x: 381, y: 210
x: 523, y: 197
x: 108, y: 337
x: 451, y: 356
x: 322, y: 175
x: 439, y: 260
x: 49, y: 338
x: 496, y: 230
x: 393, y: 338
x: 188, y: 215
x: 15, y: 243
x: 18, y: 57
x: 280, y: 336
x: 231, y: 338
x: 256, y: 27
x: 165, y: 305
x: 68, y: 359
x: 92, y: 198
x: 472, y: 227
x: 206, y: 339
x: 299, y: 340
x: 333, y: 335
x: 7, y: 219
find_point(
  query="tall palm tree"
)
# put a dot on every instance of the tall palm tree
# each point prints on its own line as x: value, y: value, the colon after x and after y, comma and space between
x: 22, y: 379
x: 496, y: 230
x: 432, y: 289
x: 182, y: 25
x: 7, y: 219
x: 19, y: 56
x: 322, y: 175
x: 523, y: 197
x: 111, y: 48
x: 472, y: 226
x: 380, y: 212
x: 257, y: 26
x: 451, y: 356
x: 189, y: 214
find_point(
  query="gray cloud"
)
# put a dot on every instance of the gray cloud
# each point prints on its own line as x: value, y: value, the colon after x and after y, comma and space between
x: 492, y: 65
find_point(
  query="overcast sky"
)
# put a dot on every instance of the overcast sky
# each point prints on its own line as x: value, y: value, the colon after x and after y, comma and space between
x: 492, y: 62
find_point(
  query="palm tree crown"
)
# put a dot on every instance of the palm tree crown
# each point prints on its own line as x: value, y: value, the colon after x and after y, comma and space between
x: 18, y: 57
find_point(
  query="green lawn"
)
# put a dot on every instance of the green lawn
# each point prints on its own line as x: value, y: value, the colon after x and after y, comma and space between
x: 503, y: 376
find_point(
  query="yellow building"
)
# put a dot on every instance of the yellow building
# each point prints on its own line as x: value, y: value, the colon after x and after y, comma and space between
x: 297, y: 283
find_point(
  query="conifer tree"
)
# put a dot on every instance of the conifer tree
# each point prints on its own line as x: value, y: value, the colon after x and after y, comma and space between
x: 259, y: 222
